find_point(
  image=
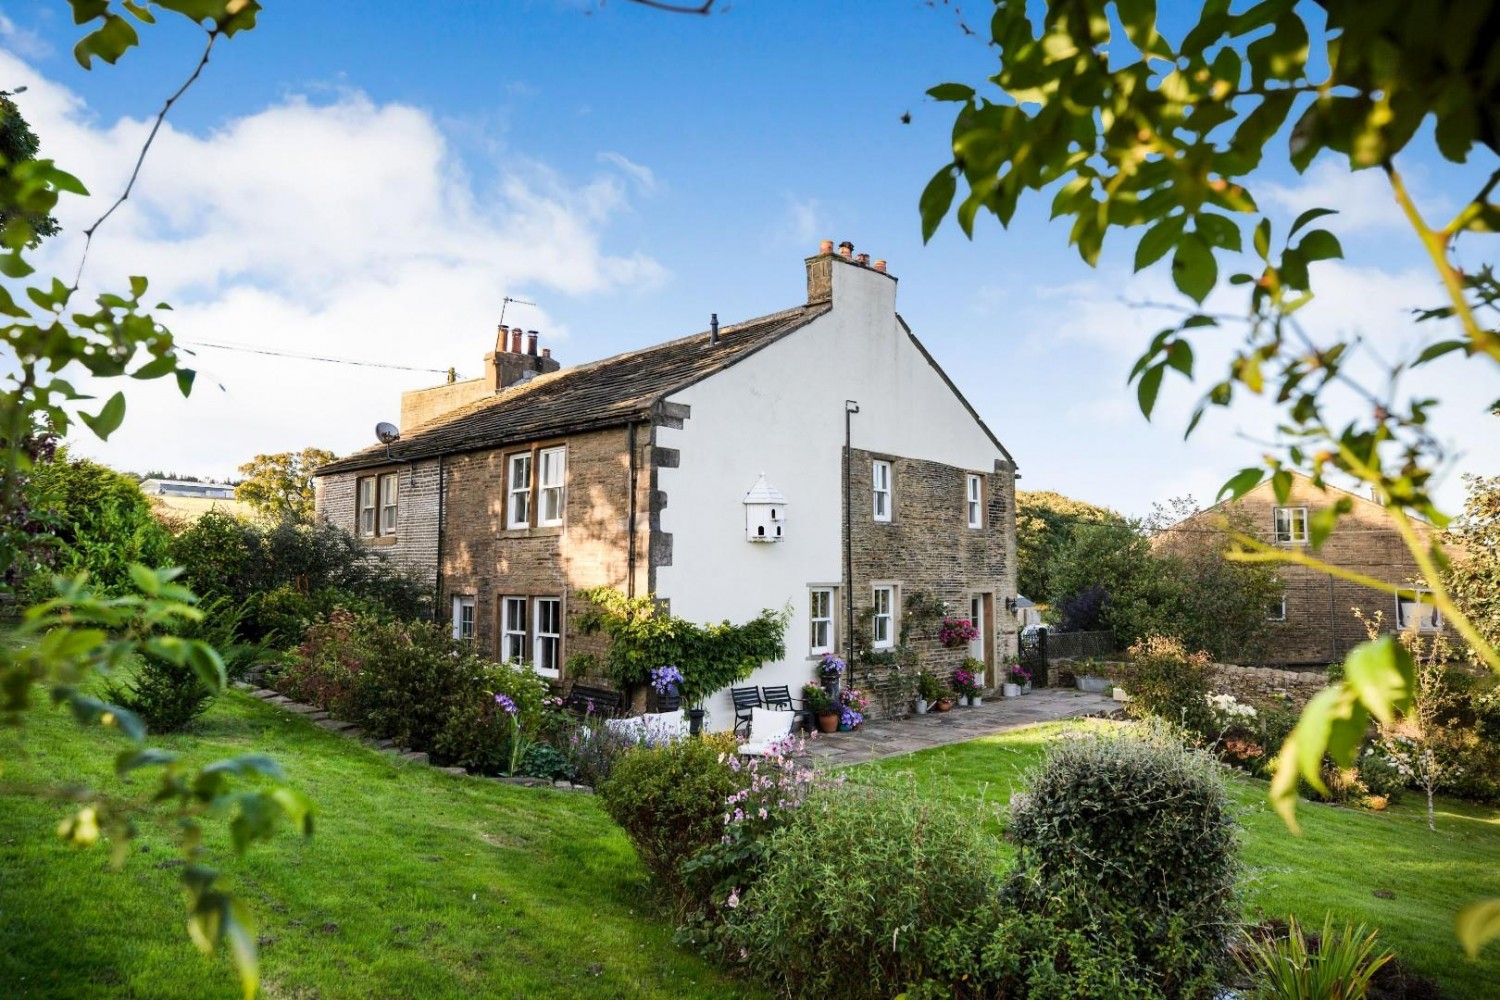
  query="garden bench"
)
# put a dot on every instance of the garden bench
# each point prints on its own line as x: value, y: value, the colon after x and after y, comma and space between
x: 584, y: 699
x: 781, y: 698
x: 746, y: 701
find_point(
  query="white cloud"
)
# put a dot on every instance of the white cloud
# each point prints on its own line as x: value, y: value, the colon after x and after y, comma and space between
x: 341, y: 227
x: 1362, y: 198
x: 22, y: 40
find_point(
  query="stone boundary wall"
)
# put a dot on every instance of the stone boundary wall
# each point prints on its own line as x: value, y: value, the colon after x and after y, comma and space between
x: 1259, y: 685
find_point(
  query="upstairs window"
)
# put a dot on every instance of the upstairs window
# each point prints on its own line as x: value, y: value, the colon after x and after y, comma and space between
x: 518, y: 492
x: 377, y: 500
x: 881, y: 484
x: 975, y: 489
x: 1290, y: 525
x: 553, y: 464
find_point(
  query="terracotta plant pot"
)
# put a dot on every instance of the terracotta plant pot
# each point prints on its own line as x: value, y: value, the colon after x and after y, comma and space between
x: 942, y: 705
x: 828, y: 723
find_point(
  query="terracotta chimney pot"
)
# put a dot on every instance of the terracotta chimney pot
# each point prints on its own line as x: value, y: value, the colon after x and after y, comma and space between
x: 531, y: 343
x: 825, y: 247
x: 880, y: 266
x: 846, y: 249
x: 515, y: 341
x: 863, y: 260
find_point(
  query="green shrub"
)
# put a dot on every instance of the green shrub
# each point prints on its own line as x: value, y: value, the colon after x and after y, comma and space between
x: 669, y: 800
x: 100, y: 520
x: 324, y: 669
x: 869, y: 889
x: 543, y: 761
x: 1166, y: 681
x: 475, y: 733
x: 1129, y: 841
x: 1052, y: 957
x: 167, y: 696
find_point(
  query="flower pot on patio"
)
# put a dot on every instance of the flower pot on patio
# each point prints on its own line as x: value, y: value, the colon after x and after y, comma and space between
x: 942, y: 705
x: 828, y: 723
x: 975, y: 700
x: 1026, y: 688
x: 1089, y: 684
x: 1011, y: 690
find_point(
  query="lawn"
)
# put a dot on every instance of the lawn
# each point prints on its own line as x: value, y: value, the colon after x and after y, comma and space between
x: 1343, y: 859
x: 416, y: 884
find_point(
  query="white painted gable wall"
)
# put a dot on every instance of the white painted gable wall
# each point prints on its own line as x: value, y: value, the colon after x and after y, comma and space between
x: 781, y: 412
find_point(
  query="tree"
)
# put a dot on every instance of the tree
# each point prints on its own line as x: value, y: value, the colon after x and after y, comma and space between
x: 18, y: 144
x: 1474, y: 576
x: 281, y: 485
x: 1043, y: 522
x: 1135, y: 130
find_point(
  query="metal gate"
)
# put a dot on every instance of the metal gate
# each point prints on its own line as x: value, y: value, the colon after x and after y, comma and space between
x: 1033, y: 655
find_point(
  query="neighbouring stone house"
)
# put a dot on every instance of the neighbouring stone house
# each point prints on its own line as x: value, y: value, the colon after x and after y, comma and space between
x: 712, y: 471
x: 1314, y: 621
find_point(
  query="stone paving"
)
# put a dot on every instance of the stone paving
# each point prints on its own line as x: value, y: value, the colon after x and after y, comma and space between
x: 891, y: 738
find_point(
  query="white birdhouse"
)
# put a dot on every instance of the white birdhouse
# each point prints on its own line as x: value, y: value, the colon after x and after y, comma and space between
x: 765, y: 513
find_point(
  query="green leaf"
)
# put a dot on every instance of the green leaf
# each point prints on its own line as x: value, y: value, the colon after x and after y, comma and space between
x: 1281, y: 482
x: 109, y: 42
x: 132, y: 760
x: 156, y: 368
x: 1322, y: 522
x: 208, y: 665
x: 13, y: 266
x: 1240, y: 483
x: 936, y: 200
x: 1434, y: 351
x: 1308, y: 216
x: 1320, y: 244
x: 1194, y: 269
x: 1218, y: 230
x: 1158, y: 240
x: 145, y: 580
x: 1262, y: 239
x: 1382, y: 677
x: 951, y: 92
x: 1477, y: 924
x: 108, y: 419
x: 185, y: 377
x: 1180, y: 357
x: 1148, y: 387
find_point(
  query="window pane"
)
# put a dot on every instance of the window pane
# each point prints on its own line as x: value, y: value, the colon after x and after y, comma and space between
x: 388, y: 491
x: 553, y: 464
x: 548, y: 634
x: 513, y: 643
x: 520, y: 491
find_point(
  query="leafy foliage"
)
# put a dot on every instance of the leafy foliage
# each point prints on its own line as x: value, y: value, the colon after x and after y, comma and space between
x: 644, y: 635
x: 669, y: 800
x: 18, y: 144
x: 1474, y: 576
x: 1338, y: 965
x: 1044, y: 523
x: 280, y: 486
x: 1164, y: 680
x: 887, y: 875
x: 1131, y: 842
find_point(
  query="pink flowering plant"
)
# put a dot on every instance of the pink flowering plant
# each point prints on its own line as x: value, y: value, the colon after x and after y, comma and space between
x: 853, y: 704
x: 966, y: 683
x: 1019, y: 675
x: 956, y: 631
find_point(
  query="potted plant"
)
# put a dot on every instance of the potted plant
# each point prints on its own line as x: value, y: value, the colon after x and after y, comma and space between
x: 929, y: 692
x: 955, y: 632
x: 852, y: 707
x: 822, y: 707
x: 1020, y: 677
x: 831, y: 670
x: 966, y: 683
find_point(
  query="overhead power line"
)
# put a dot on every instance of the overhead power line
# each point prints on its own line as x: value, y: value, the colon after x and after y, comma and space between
x: 298, y: 356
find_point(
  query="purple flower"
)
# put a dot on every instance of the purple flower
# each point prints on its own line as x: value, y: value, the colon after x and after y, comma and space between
x: 506, y: 705
x: 666, y: 680
x: 831, y: 666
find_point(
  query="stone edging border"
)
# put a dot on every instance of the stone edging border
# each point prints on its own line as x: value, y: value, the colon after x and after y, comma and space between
x: 349, y: 730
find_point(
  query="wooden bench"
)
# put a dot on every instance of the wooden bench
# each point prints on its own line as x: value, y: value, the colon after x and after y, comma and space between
x: 584, y: 699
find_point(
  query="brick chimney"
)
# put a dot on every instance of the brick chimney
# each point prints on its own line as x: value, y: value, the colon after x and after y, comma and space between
x: 504, y: 368
x: 849, y: 271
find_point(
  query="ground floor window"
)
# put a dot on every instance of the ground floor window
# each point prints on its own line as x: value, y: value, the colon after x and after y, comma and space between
x: 1276, y: 612
x: 512, y: 629
x: 883, y: 622
x: 1418, y: 612
x: 463, y: 617
x: 820, y: 617
x: 547, y: 642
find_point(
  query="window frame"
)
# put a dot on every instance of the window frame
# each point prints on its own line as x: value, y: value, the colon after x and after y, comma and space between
x: 1402, y: 625
x: 974, y: 499
x: 373, y: 506
x: 1291, y: 536
x: 1280, y: 616
x: 544, y: 489
x: 508, y: 630
x: 889, y: 642
x: 393, y: 504
x: 462, y: 603
x: 878, y: 492
x: 830, y: 620
x: 519, y: 498
x: 537, y: 636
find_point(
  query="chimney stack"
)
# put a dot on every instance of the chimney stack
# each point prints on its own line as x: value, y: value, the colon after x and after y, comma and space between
x: 502, y: 334
x: 546, y: 352
x: 531, y: 343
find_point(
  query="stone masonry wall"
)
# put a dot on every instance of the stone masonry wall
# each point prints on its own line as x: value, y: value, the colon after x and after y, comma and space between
x: 414, y: 547
x: 1258, y: 685
x: 485, y: 560
x: 928, y: 546
x: 1320, y: 626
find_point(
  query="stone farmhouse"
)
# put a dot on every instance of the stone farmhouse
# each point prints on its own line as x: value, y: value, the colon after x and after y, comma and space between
x: 1314, y: 622
x: 816, y: 459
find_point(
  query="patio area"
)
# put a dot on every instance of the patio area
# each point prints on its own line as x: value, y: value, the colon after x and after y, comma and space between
x: 891, y: 738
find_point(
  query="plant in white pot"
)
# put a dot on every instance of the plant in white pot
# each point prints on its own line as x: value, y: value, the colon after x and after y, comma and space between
x: 967, y: 682
x: 929, y: 692
x: 1019, y: 678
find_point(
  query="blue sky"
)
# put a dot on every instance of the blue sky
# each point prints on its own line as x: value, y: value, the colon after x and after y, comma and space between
x: 370, y: 186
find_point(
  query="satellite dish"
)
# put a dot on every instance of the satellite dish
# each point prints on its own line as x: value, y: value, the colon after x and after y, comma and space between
x: 387, y: 432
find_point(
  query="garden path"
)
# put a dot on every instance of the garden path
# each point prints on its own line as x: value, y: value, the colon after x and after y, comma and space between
x: 892, y: 737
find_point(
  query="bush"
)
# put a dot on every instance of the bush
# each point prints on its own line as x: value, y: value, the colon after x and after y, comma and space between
x: 670, y: 801
x: 167, y: 696
x: 865, y: 892
x: 476, y: 733
x: 324, y: 669
x: 100, y: 520
x: 543, y: 761
x: 1129, y: 841
x: 1166, y: 681
x: 1333, y: 965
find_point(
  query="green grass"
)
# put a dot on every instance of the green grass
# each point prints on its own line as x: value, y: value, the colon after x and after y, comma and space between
x: 416, y: 883
x: 1344, y: 856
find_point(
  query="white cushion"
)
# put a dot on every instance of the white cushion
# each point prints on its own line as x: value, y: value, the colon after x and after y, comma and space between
x: 767, y: 726
x: 629, y: 727
x: 668, y: 725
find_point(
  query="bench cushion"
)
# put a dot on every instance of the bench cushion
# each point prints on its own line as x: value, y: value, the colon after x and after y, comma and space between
x: 767, y: 726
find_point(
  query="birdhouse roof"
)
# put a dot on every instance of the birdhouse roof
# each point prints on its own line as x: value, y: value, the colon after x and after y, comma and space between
x: 764, y: 492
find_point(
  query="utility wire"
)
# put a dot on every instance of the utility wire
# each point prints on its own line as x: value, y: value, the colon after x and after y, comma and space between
x: 245, y: 348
